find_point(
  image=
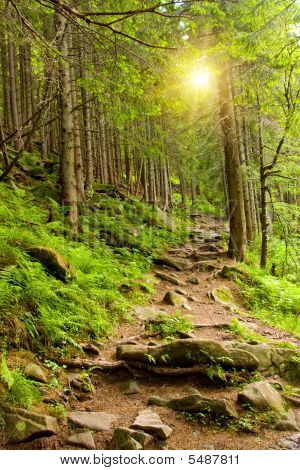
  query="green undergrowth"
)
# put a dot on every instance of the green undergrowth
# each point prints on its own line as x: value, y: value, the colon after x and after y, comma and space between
x: 242, y: 331
x: 250, y: 421
x: 274, y: 300
x: 20, y: 390
x: 37, y: 310
x: 170, y: 326
x: 201, y: 205
x: 132, y: 224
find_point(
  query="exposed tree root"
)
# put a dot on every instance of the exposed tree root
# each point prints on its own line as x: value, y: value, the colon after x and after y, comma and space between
x: 104, y: 366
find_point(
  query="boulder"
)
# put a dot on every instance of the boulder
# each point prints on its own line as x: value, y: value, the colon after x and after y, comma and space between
x: 262, y: 397
x: 243, y: 359
x: 223, y: 295
x: 272, y: 360
x: 23, y: 426
x: 35, y: 372
x: 149, y: 421
x: 131, y: 387
x: 203, y: 266
x: 129, y: 439
x: 229, y: 272
x: 195, y: 403
x: 96, y: 421
x: 52, y: 261
x: 172, y: 298
x: 82, y: 439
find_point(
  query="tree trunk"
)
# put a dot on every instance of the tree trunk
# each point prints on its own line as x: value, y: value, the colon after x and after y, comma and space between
x: 263, y: 197
x: 68, y: 180
x: 89, y: 164
x: 18, y: 142
x: 237, y: 221
x: 76, y: 130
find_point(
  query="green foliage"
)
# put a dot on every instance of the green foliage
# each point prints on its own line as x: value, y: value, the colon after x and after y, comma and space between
x: 274, y: 300
x: 169, y: 326
x: 246, y: 333
x: 37, y: 309
x: 216, y: 370
x: 21, y: 391
x: 282, y: 253
x: 249, y: 335
x: 57, y: 410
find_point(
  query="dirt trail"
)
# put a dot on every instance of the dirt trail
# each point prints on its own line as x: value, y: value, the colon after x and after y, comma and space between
x: 186, y: 434
x: 109, y: 388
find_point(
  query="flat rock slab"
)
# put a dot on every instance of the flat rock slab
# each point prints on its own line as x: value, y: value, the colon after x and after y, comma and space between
x: 82, y: 439
x: 176, y: 263
x: 94, y: 420
x: 169, y: 278
x: 194, y: 402
x: 149, y: 421
x: 23, y: 426
x: 208, y: 236
x: 130, y: 439
x: 290, y: 442
x: 147, y: 313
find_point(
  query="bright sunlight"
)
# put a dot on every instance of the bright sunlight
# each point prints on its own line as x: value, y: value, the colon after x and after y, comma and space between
x: 200, y: 78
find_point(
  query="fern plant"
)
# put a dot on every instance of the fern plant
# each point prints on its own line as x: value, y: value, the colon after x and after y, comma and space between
x: 21, y: 391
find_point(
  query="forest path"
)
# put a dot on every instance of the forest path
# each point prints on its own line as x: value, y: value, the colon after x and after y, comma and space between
x: 109, y: 388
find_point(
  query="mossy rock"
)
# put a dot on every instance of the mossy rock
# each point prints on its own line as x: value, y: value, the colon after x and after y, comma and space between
x: 262, y: 397
x: 189, y: 352
x: 223, y: 295
x: 231, y: 272
x: 272, y: 360
x: 159, y: 217
x: 130, y: 439
x: 23, y: 425
x: 172, y: 298
x: 195, y: 403
x: 55, y: 264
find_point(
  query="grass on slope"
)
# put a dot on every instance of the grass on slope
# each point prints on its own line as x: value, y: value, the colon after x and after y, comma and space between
x: 36, y: 309
x: 274, y: 300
